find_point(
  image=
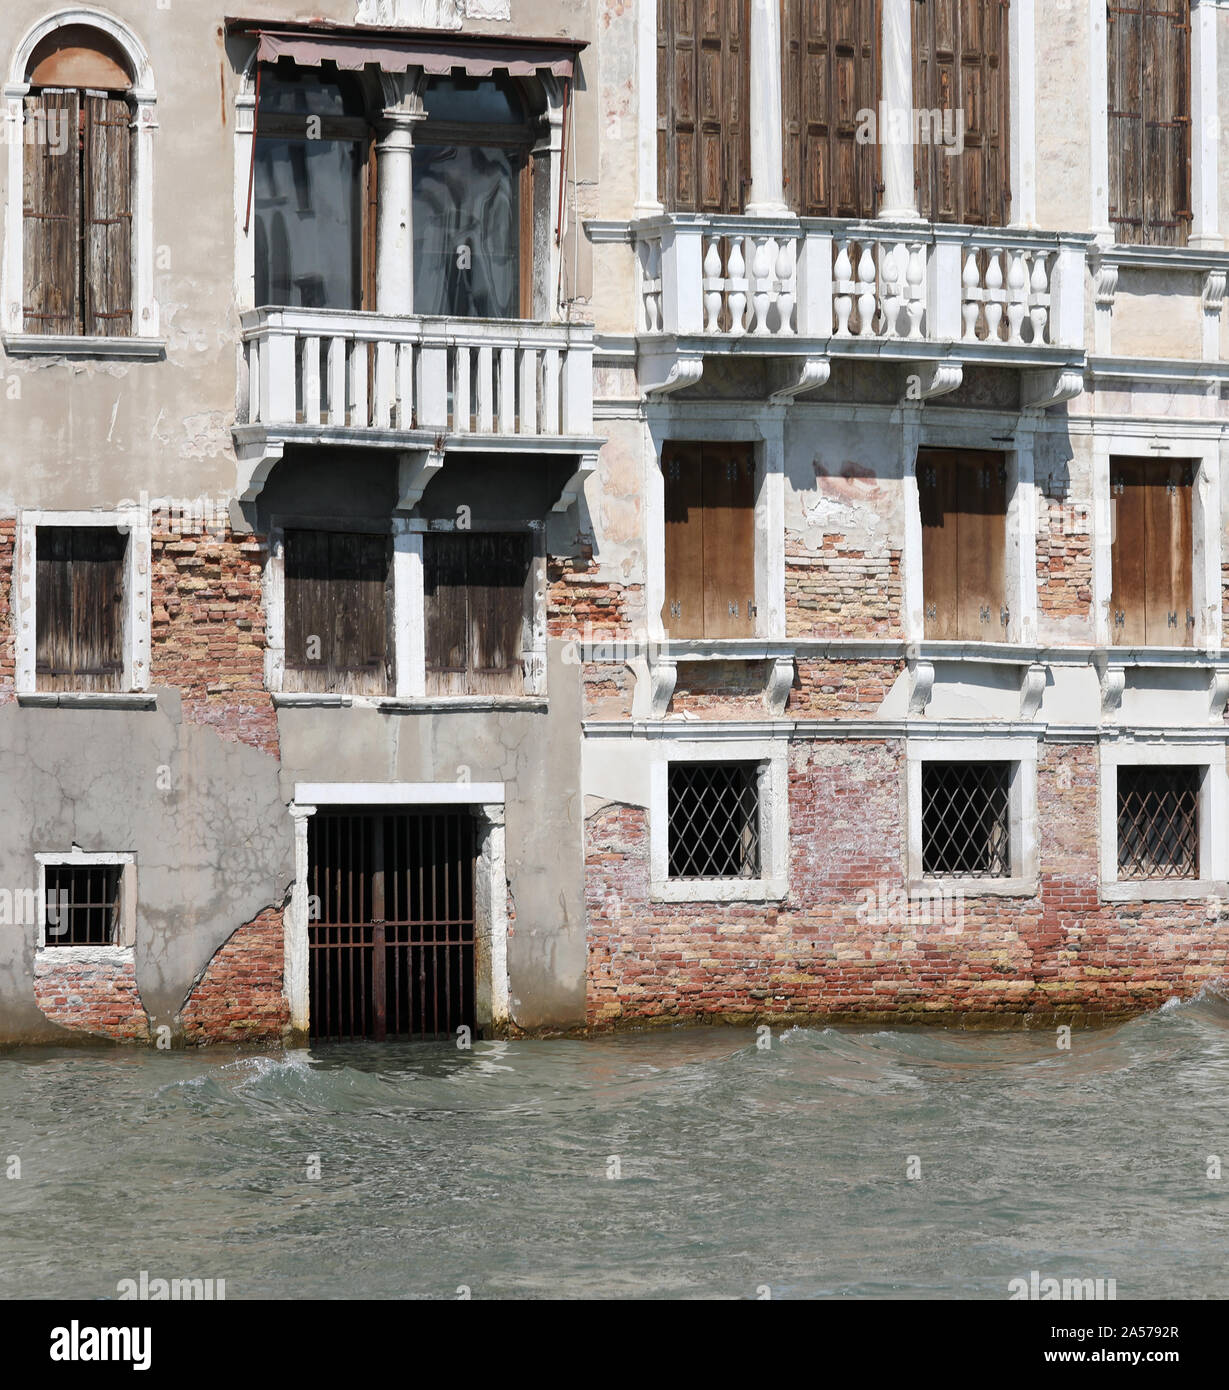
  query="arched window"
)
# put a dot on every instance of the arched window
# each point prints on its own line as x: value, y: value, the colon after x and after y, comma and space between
x: 473, y: 200
x: 314, y: 191
x: 78, y: 187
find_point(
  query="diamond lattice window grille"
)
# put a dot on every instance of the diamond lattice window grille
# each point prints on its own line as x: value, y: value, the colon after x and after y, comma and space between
x: 82, y: 904
x: 714, y: 814
x: 966, y: 825
x: 1158, y: 822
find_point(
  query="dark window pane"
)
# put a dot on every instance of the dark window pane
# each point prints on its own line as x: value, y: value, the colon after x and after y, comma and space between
x: 965, y: 825
x: 82, y: 905
x: 1158, y: 822
x: 714, y: 817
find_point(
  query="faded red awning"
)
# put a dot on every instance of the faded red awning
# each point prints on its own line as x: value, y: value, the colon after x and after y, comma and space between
x: 396, y: 51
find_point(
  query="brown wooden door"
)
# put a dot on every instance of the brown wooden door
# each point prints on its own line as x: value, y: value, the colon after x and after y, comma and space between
x: 703, y: 105
x: 51, y: 204
x: 830, y: 73
x: 710, y: 540
x: 79, y: 613
x: 962, y: 495
x: 960, y: 66
x: 107, y: 231
x: 1149, y: 102
x: 477, y: 600
x: 337, y: 611
x: 1151, y: 558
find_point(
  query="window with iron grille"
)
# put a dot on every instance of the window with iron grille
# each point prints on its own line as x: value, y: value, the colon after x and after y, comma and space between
x: 966, y: 823
x: 714, y: 818
x: 82, y: 904
x: 1158, y: 822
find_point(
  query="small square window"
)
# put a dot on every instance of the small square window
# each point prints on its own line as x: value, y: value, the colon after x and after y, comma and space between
x: 1158, y: 822
x: 714, y: 820
x: 966, y: 825
x: 82, y: 904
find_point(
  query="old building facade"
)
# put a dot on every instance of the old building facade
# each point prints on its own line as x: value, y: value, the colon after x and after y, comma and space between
x: 526, y: 517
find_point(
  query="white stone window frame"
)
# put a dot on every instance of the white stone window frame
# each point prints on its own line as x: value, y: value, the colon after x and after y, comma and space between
x: 80, y: 858
x: 1213, y: 880
x: 1020, y: 544
x: 1021, y: 755
x: 409, y: 616
x: 143, y: 339
x: 1205, y: 528
x: 137, y: 619
x: 486, y: 799
x: 763, y: 428
x: 1205, y: 128
x: 772, y: 761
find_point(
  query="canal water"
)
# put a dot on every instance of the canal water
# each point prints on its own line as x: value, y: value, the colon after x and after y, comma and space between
x: 687, y: 1164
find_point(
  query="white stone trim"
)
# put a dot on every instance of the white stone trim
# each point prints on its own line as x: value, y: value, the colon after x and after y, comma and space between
x: 143, y: 97
x: 1021, y: 752
x: 1205, y: 526
x: 1022, y: 96
x: 490, y: 884
x: 1205, y: 128
x: 120, y: 951
x: 773, y: 785
x: 763, y: 427
x: 137, y: 565
x: 1098, y: 117
x: 647, y: 204
x: 1213, y: 819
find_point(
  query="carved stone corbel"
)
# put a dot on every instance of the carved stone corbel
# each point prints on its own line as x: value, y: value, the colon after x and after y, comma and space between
x: 1218, y: 692
x: 922, y: 685
x: 1212, y: 300
x: 1113, y: 683
x: 1032, y: 688
x: 663, y: 676
x: 815, y: 372
x: 934, y: 379
x: 1105, y: 289
x: 1044, y: 388
x: 415, y: 469
x: 678, y: 373
x: 254, y: 461
x: 780, y: 682
x: 575, y: 485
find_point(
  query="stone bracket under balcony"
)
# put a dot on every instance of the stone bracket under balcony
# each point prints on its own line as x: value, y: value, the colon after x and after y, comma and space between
x: 936, y: 299
x: 422, y: 388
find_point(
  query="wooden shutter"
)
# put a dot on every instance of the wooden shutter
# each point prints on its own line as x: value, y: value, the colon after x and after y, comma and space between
x: 1151, y: 563
x: 107, y: 183
x: 1149, y: 99
x: 51, y: 204
x: 830, y: 73
x: 476, y: 590
x: 78, y: 604
x: 962, y: 495
x: 960, y: 65
x: 704, y: 98
x: 710, y: 540
x: 337, y: 611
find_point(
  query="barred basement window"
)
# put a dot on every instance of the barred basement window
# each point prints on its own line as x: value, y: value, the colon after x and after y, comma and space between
x: 82, y: 903
x: 1158, y: 822
x: 966, y: 828
x: 714, y: 820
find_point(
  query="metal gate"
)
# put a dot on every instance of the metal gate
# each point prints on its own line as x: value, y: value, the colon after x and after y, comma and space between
x: 391, y: 930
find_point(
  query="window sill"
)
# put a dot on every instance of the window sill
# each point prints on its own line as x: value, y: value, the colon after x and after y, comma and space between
x: 88, y: 955
x: 1146, y: 890
x: 975, y: 887
x: 728, y: 890
x: 69, y: 345
x: 291, y: 699
x: 88, y: 699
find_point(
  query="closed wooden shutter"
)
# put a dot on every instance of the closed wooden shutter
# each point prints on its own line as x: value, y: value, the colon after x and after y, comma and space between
x: 78, y: 604
x: 710, y: 540
x: 107, y: 168
x: 51, y: 205
x: 337, y: 604
x: 476, y: 601
x: 1151, y: 558
x: 1149, y: 99
x: 962, y: 495
x: 703, y: 106
x: 830, y: 73
x: 960, y: 66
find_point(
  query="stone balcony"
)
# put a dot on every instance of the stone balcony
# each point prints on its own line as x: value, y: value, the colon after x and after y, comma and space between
x: 933, y: 298
x: 417, y: 385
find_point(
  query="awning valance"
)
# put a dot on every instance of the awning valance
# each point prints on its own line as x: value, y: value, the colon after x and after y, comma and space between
x: 397, y: 51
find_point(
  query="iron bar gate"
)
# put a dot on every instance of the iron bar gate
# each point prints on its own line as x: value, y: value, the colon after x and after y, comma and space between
x: 391, y: 930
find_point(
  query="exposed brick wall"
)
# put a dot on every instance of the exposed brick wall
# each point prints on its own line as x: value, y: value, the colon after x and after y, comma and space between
x: 89, y: 995
x: 8, y: 628
x: 840, y: 945
x: 608, y: 690
x: 720, y: 689
x: 841, y: 689
x: 208, y: 635
x: 585, y: 605
x: 240, y: 996
x: 1064, y: 562
x: 845, y: 589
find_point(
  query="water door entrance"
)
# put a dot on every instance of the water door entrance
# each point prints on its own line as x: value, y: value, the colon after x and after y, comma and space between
x: 391, y: 929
